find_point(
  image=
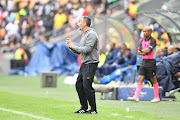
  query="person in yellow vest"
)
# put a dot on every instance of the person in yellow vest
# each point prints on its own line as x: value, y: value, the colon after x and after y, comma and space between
x: 160, y: 43
x: 20, y: 54
x: 132, y: 9
x: 43, y: 1
x: 59, y: 20
x: 102, y: 57
x: 164, y: 35
x: 155, y: 34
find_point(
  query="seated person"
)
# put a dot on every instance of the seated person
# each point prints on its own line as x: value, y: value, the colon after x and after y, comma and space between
x: 171, y: 49
x: 111, y: 57
x: 127, y: 72
x: 129, y: 64
x: 167, y: 72
x: 102, y: 57
x: 108, y: 68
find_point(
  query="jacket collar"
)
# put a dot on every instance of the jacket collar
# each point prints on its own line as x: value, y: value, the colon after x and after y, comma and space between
x: 148, y: 39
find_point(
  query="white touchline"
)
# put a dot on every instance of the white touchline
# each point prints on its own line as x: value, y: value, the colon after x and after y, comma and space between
x: 26, y: 114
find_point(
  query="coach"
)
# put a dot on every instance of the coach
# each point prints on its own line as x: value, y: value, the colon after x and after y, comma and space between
x: 89, y: 50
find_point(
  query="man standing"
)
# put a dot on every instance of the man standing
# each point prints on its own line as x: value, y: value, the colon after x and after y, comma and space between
x: 148, y: 65
x: 89, y: 50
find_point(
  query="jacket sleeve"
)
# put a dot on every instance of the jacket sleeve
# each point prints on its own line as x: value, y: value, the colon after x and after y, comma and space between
x: 152, y: 44
x: 112, y: 60
x: 90, y: 42
x: 74, y: 51
x: 130, y: 61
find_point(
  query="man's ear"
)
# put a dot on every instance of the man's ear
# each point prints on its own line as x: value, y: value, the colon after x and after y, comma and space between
x: 84, y: 23
x: 151, y: 31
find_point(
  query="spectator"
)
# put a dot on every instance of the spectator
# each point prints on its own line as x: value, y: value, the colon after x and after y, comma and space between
x: 111, y: 57
x: 12, y: 29
x: 5, y: 44
x: 108, y: 12
x: 171, y: 49
x: 20, y: 54
x: 177, y: 49
x: 48, y: 23
x: 102, y: 57
x: 59, y: 20
x: 132, y: 9
x: 140, y: 33
x: 160, y: 43
x: 107, y: 67
x: 167, y: 70
x: 34, y: 16
x: 165, y: 36
x: 121, y: 71
x: 67, y: 30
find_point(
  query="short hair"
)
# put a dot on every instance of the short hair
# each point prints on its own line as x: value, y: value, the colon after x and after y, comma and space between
x: 113, y: 44
x: 128, y: 49
x: 87, y: 20
x: 148, y: 27
x: 178, y: 49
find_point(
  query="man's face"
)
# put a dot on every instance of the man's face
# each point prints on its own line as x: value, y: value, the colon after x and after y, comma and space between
x: 122, y: 50
x: 81, y: 24
x: 127, y: 52
x: 146, y: 32
x: 112, y: 46
x: 170, y: 51
x: 60, y: 11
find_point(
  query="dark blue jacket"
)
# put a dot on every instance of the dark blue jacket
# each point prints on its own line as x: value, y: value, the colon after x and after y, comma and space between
x: 165, y: 69
x: 112, y: 56
x: 130, y: 60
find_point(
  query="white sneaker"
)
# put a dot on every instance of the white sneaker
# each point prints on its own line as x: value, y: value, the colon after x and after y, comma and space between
x: 155, y: 100
x: 133, y: 99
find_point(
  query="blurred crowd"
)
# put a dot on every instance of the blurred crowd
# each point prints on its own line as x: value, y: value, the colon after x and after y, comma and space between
x: 161, y: 36
x: 21, y: 21
x: 24, y: 20
x: 120, y: 65
x: 122, y: 56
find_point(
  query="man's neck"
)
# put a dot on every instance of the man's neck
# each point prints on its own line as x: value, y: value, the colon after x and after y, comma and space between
x: 86, y: 28
x: 147, y: 38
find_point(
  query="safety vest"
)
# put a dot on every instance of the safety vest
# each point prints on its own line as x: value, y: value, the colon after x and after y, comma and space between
x: 133, y: 8
x: 102, y: 59
x: 21, y: 53
x: 160, y: 44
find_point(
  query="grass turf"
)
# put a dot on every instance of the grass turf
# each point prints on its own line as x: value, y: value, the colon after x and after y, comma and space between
x: 24, y: 94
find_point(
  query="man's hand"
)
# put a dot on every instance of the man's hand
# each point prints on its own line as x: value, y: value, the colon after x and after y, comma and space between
x: 144, y: 51
x: 106, y: 64
x: 123, y: 71
x: 177, y: 74
x: 124, y: 56
x: 138, y: 52
x: 129, y: 67
x: 118, y: 66
x: 69, y: 43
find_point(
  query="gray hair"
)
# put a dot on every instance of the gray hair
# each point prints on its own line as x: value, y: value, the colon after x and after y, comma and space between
x: 148, y: 27
x: 87, y: 20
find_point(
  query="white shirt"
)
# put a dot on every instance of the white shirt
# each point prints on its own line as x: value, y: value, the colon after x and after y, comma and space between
x: 12, y: 28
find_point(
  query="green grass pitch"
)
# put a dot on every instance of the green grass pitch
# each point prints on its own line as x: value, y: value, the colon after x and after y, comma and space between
x: 22, y: 98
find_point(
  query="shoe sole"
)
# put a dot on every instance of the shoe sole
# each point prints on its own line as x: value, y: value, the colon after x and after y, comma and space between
x: 133, y: 100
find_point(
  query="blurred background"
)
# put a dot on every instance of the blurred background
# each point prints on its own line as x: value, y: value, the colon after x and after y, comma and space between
x: 33, y: 32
